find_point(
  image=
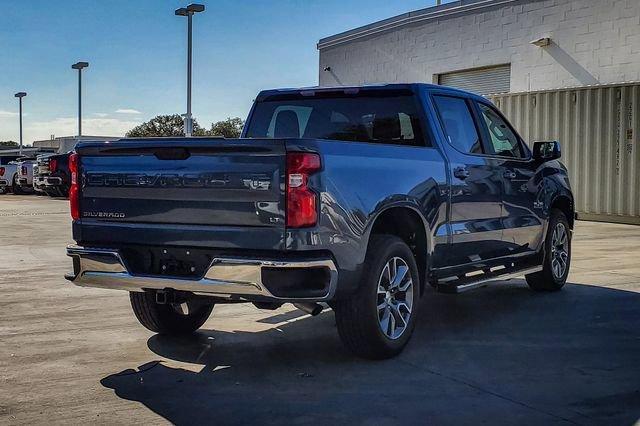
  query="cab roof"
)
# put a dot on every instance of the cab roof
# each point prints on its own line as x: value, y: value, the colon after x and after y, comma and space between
x: 353, y: 90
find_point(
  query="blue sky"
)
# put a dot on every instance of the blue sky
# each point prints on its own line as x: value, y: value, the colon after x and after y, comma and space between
x: 137, y: 55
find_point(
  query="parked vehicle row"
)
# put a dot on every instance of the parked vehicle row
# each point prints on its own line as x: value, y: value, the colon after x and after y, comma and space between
x: 47, y: 174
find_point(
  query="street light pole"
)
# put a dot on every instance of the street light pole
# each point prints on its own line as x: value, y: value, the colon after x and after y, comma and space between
x: 189, y: 122
x: 189, y: 11
x: 79, y: 66
x: 20, y: 95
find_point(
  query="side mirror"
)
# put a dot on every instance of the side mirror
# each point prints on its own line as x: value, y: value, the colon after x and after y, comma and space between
x: 546, y: 151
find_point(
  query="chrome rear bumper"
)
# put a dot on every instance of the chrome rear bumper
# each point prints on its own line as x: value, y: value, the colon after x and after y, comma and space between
x: 47, y: 180
x: 52, y: 181
x: 225, y: 277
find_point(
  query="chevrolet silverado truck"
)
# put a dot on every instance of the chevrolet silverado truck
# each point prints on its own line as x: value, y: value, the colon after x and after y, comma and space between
x: 53, y: 176
x: 9, y: 173
x: 357, y: 197
x: 26, y: 168
x: 8, y: 168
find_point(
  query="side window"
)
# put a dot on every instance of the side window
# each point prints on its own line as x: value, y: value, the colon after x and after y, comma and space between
x: 503, y: 140
x: 458, y: 124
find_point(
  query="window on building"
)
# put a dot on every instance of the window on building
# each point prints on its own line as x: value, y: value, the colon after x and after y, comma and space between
x: 458, y: 124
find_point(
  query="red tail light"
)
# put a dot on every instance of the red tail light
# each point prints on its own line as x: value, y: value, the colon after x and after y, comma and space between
x: 74, y: 190
x: 302, y: 202
x: 53, y: 165
x: 1, y: 171
x: 23, y: 170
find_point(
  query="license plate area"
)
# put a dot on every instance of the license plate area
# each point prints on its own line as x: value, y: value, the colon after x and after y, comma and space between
x: 168, y: 262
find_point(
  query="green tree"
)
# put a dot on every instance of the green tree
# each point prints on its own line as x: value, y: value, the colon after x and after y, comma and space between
x: 164, y: 125
x: 8, y: 144
x: 229, y: 128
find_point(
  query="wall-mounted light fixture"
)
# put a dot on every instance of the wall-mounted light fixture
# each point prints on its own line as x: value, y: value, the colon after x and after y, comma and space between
x: 327, y: 69
x: 541, y: 42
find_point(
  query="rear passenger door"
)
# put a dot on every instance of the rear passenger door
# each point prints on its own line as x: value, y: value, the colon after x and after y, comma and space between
x: 476, y: 184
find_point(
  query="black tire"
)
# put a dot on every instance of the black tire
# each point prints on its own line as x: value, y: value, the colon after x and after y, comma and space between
x: 51, y: 192
x: 15, y: 188
x: 359, y: 318
x: 548, y: 279
x: 63, y: 192
x: 55, y: 192
x: 165, y: 319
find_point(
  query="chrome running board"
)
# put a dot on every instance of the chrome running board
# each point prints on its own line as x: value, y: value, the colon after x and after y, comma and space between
x: 470, y: 283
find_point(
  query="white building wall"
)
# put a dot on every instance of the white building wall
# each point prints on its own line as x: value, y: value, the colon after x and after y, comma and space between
x: 593, y: 42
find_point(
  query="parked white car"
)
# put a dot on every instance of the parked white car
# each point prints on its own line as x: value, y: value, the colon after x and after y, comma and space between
x: 8, y: 177
x: 25, y: 175
x: 7, y: 170
x: 38, y: 186
x: 10, y: 174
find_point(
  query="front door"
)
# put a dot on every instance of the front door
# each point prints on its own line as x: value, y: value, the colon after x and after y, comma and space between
x: 522, y: 195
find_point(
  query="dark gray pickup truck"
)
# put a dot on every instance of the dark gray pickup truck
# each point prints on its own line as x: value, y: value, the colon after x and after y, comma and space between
x: 359, y: 197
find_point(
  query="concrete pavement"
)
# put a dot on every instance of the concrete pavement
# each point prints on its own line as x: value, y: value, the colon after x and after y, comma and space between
x: 498, y: 355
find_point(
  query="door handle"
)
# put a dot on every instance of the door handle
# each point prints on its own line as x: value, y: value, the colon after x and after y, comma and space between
x: 509, y: 174
x: 461, y: 173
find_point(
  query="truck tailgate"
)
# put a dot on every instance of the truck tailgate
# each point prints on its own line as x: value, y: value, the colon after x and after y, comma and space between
x: 217, y: 182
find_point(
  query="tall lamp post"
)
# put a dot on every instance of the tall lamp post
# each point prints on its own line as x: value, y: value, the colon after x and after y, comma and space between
x: 79, y: 66
x: 189, y: 11
x: 20, y: 95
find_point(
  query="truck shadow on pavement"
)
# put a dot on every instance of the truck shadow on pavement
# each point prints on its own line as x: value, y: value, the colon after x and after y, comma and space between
x: 502, y: 354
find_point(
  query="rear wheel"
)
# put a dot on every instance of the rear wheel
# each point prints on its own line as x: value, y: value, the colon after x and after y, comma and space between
x: 169, y: 318
x: 51, y: 192
x: 63, y: 192
x: 15, y: 188
x: 55, y: 192
x: 377, y: 321
x: 555, y: 267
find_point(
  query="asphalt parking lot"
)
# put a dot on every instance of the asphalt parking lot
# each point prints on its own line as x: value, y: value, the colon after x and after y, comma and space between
x: 501, y: 354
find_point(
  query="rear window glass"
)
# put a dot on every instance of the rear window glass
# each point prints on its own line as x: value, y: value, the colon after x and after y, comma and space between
x: 7, y: 160
x: 377, y: 119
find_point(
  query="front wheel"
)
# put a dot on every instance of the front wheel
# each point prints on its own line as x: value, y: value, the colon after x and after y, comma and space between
x: 169, y: 318
x: 377, y: 321
x: 557, y: 259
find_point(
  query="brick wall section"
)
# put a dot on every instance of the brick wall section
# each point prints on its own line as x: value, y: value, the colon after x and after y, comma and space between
x: 593, y: 41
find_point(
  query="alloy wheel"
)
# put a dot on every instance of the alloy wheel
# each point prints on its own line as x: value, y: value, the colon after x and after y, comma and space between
x: 395, y: 298
x: 559, y: 251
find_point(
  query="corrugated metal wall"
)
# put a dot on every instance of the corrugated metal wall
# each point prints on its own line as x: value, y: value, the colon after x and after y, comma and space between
x: 598, y: 128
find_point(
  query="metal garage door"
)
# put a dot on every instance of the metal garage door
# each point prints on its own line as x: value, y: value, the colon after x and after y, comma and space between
x: 483, y: 81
